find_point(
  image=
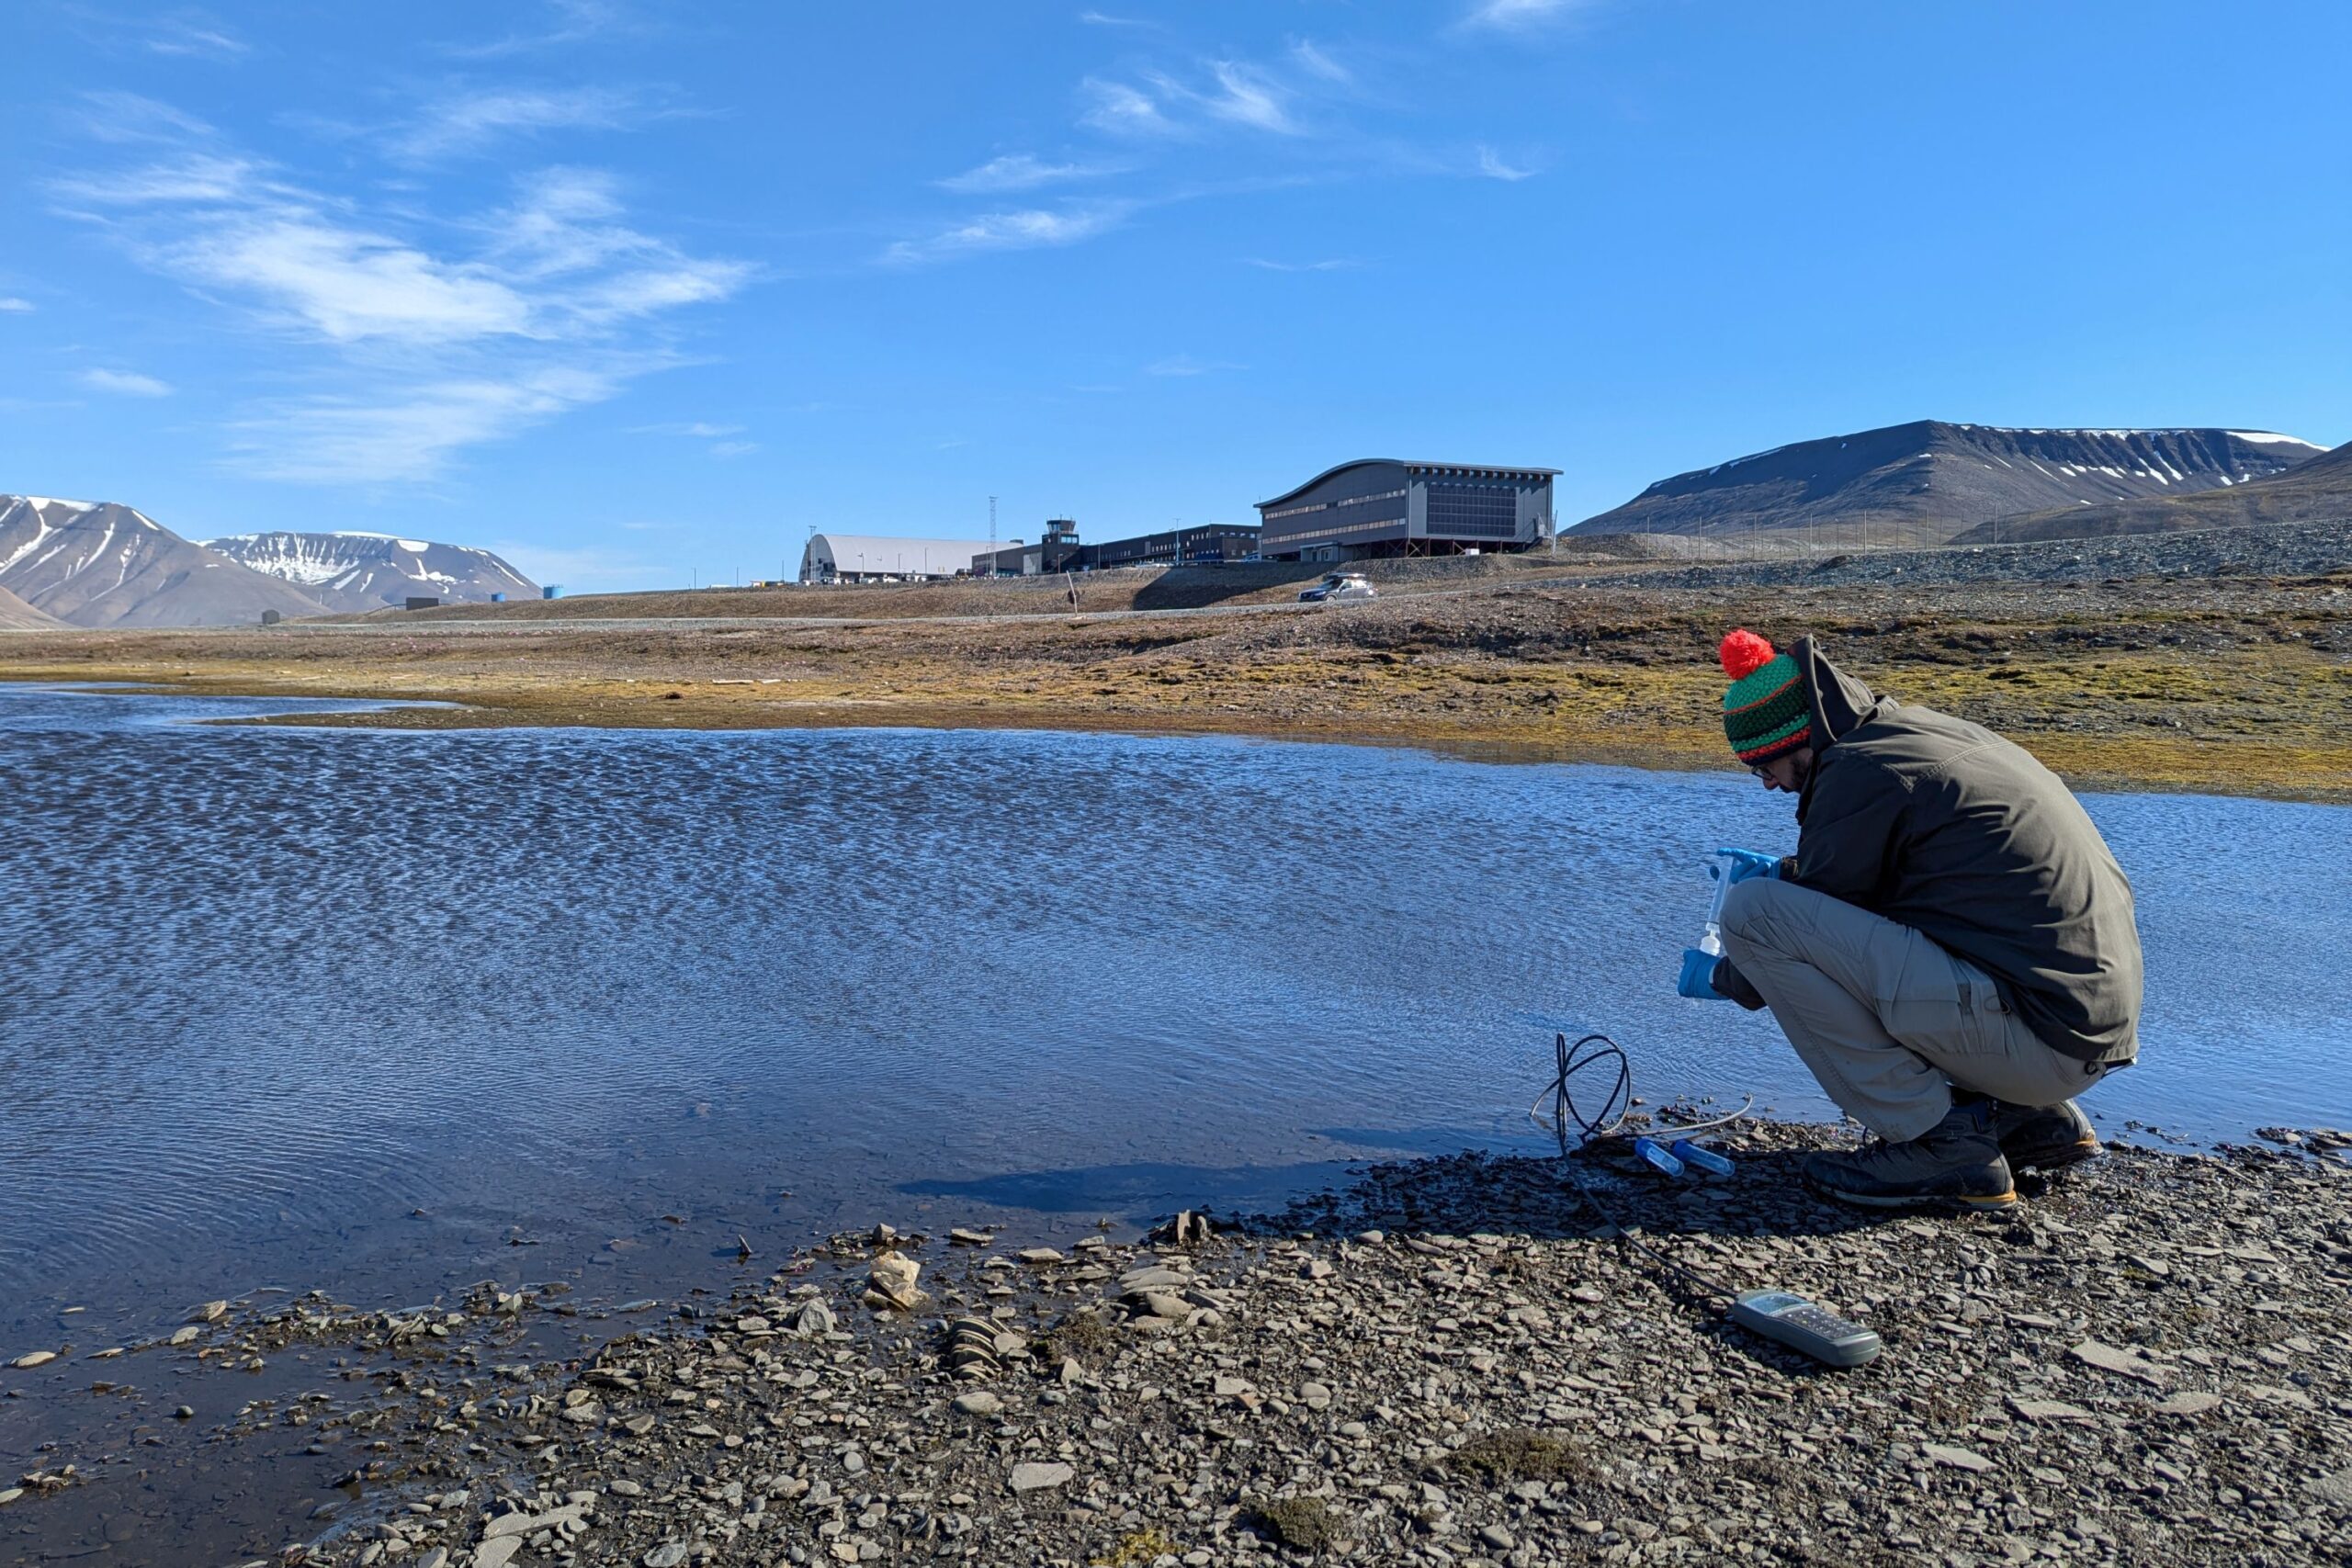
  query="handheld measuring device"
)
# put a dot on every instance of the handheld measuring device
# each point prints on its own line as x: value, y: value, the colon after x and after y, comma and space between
x: 1785, y: 1316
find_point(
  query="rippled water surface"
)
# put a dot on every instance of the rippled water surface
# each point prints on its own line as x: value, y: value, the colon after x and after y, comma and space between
x: 363, y: 1007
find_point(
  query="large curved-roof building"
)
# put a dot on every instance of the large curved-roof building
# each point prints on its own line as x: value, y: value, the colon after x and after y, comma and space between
x: 869, y: 558
x: 1387, y: 506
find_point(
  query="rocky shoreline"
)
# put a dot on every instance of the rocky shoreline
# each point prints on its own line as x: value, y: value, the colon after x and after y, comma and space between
x: 1446, y: 1362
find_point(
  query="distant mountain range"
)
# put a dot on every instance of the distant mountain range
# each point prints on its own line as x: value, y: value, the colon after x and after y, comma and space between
x: 2318, y: 491
x: 88, y: 563
x: 1928, y: 481
x: 100, y: 564
x: 353, y: 573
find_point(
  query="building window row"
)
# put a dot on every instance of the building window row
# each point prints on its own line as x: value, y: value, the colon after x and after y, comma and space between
x: 1292, y: 538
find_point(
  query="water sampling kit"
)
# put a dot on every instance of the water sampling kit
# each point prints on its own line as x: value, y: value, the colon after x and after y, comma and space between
x: 1675, y: 1152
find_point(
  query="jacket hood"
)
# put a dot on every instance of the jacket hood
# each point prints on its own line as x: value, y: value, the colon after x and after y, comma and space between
x: 1841, y: 704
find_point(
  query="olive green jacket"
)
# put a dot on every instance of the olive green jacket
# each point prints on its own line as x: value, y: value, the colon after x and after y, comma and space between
x: 1940, y: 824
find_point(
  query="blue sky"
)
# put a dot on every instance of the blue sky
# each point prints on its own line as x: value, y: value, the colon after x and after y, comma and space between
x: 635, y: 291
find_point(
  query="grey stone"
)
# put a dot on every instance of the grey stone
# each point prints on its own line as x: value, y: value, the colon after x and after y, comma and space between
x: 1038, y: 1477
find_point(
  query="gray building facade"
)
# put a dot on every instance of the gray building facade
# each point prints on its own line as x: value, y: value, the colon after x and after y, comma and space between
x: 1386, y: 506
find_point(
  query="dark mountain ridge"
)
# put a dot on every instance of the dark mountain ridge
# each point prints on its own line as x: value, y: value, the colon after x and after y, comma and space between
x: 1928, y: 480
x: 2317, y: 490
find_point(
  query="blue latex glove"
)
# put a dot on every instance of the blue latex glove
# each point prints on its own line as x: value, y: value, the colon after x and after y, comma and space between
x: 1697, y: 981
x: 1741, y: 864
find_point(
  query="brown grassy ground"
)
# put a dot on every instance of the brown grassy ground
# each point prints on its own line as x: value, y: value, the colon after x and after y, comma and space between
x: 2238, y: 687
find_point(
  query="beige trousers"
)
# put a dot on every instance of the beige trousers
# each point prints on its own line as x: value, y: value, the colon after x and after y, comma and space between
x: 1888, y: 1022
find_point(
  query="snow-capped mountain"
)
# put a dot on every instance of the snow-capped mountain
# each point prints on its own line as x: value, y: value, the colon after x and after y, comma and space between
x: 1928, y: 480
x: 95, y: 563
x: 353, y: 573
x: 2318, y: 491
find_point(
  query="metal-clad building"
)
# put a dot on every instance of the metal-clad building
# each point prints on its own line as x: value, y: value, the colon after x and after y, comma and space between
x: 862, y: 557
x: 1201, y: 544
x: 1385, y: 506
x: 1058, y: 551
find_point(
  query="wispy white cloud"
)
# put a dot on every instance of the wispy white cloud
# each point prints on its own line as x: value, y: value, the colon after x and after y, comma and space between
x: 423, y: 348
x: 1248, y: 97
x: 1491, y: 165
x: 698, y: 428
x: 1122, y: 110
x: 572, y: 21
x: 10, y: 303
x: 1517, y: 15
x: 733, y: 449
x: 1185, y: 365
x: 1013, y: 231
x: 1335, y: 263
x: 388, y: 434
x: 119, y: 117
x: 1020, y: 171
x: 1099, y: 19
x: 124, y: 383
x: 470, y: 121
x: 196, y: 34
x: 1316, y: 63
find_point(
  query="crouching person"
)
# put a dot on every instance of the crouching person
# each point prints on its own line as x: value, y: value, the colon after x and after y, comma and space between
x: 1951, y: 950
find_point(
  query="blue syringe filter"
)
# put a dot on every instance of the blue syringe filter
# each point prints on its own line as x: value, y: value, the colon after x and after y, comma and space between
x: 1657, y: 1156
x: 1704, y: 1157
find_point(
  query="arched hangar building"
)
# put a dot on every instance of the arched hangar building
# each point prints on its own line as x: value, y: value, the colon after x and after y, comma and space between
x: 863, y: 558
x: 1385, y: 506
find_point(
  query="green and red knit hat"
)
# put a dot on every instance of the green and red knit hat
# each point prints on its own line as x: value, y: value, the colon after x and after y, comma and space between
x: 1766, y: 712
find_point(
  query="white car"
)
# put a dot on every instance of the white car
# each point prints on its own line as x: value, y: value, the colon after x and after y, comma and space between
x: 1339, y: 587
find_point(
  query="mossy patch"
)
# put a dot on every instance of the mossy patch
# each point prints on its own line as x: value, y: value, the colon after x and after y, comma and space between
x: 1521, y: 1455
x: 1080, y: 1336
x: 1305, y: 1524
x: 1137, y: 1547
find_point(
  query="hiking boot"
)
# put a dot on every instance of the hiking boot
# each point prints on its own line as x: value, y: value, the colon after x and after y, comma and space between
x: 1956, y: 1163
x: 2047, y: 1137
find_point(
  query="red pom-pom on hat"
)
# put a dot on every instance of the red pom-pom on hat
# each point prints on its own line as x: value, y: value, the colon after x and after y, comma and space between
x: 1744, y: 653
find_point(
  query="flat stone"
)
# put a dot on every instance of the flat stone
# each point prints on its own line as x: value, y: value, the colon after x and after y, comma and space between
x: 1154, y: 1278
x: 2335, y: 1488
x: 1035, y: 1477
x: 1159, y: 1303
x: 36, y: 1358
x: 9, y: 1495
x: 1958, y: 1459
x: 497, y: 1553
x: 961, y: 1238
x: 979, y: 1402
x: 210, y: 1312
x: 2125, y: 1363
x: 669, y: 1555
x: 1038, y: 1255
x: 1500, y: 1539
x: 183, y: 1335
x: 2189, y: 1403
x: 530, y: 1523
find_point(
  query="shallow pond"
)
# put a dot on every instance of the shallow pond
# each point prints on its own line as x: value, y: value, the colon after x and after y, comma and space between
x: 388, y: 1010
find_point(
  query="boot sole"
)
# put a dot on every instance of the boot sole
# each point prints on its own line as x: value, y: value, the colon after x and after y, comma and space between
x: 2057, y: 1158
x: 1949, y: 1202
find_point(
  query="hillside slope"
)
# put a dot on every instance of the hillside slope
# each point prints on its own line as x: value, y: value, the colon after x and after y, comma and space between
x: 1928, y: 480
x: 16, y: 615
x: 100, y: 564
x: 2317, y: 492
x: 354, y: 573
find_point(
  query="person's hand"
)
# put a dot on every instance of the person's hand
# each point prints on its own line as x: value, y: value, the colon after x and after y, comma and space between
x: 1697, y: 981
x: 1741, y: 864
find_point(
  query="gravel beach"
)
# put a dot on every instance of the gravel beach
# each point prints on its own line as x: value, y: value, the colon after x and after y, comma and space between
x: 1447, y: 1362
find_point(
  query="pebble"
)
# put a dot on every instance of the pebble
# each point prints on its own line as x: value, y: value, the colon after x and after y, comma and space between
x: 669, y: 1555
x: 979, y: 1402
x: 210, y: 1312
x: 34, y: 1358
